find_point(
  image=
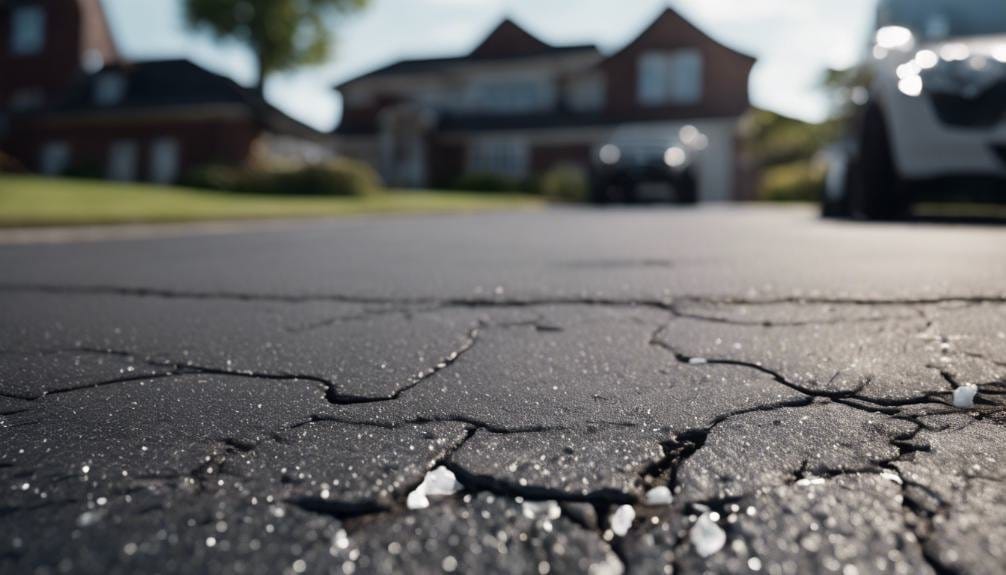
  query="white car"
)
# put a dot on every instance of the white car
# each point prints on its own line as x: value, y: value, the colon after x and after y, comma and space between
x: 933, y: 121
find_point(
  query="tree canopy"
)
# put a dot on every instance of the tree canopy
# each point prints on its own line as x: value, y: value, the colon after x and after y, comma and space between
x: 283, y: 34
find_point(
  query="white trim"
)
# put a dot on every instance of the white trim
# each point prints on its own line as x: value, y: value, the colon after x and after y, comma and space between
x: 580, y: 132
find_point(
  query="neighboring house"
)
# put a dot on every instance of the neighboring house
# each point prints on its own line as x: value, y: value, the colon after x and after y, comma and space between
x: 516, y: 106
x: 73, y: 105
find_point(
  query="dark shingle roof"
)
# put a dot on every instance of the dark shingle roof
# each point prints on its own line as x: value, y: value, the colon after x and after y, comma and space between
x: 150, y: 85
x: 432, y: 64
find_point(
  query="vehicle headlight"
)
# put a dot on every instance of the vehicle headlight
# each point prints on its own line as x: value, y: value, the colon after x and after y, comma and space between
x: 969, y: 92
x: 675, y: 157
x: 610, y: 154
x: 911, y: 85
x: 894, y: 38
x: 969, y: 77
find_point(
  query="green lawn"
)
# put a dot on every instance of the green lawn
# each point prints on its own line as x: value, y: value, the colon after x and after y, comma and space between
x: 35, y: 201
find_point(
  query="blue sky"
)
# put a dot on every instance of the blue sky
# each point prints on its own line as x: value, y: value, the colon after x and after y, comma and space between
x: 795, y: 40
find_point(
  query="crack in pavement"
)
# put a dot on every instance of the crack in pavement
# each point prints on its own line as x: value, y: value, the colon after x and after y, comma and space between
x: 665, y: 303
x: 776, y: 376
x: 176, y: 368
x: 398, y: 424
x: 676, y: 450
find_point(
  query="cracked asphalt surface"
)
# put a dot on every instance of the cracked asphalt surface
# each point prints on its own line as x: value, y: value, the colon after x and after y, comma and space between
x: 265, y: 402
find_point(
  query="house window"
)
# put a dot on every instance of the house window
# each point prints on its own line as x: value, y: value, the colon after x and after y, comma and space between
x: 164, y: 161
x: 109, y: 89
x: 27, y: 33
x: 512, y: 96
x: 587, y: 94
x: 499, y: 156
x: 122, y: 161
x: 55, y: 158
x: 670, y: 78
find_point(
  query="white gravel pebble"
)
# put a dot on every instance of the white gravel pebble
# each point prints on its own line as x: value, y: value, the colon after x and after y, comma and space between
x: 706, y: 536
x: 659, y: 496
x: 964, y: 396
x: 439, y: 482
x: 621, y: 520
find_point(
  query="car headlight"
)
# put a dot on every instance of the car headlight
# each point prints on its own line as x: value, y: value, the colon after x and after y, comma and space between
x: 969, y: 77
x: 894, y: 38
x: 610, y: 154
x: 675, y: 157
x: 969, y: 93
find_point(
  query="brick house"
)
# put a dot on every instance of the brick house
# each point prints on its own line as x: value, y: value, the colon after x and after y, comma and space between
x: 70, y: 103
x: 516, y: 106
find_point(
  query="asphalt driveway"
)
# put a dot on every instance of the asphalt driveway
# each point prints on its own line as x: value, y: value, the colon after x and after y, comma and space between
x: 654, y: 391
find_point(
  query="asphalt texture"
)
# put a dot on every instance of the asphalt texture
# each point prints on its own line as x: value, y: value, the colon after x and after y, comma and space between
x: 272, y: 401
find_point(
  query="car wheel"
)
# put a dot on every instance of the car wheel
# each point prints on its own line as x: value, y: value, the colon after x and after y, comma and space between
x: 686, y: 188
x: 599, y: 191
x: 839, y: 189
x: 613, y: 189
x: 879, y: 193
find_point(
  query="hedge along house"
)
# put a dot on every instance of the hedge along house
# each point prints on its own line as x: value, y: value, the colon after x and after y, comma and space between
x: 73, y: 105
x: 516, y: 106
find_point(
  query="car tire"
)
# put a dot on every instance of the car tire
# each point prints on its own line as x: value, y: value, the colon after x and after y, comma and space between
x: 839, y: 207
x: 878, y: 192
x: 686, y: 188
x: 613, y: 189
x: 599, y: 191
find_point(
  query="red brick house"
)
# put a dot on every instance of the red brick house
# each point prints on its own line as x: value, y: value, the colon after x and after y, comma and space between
x: 516, y: 106
x: 70, y: 103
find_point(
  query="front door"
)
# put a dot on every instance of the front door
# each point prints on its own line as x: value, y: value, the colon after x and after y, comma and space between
x: 403, y: 147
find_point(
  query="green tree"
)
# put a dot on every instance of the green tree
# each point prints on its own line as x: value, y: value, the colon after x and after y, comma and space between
x: 283, y: 34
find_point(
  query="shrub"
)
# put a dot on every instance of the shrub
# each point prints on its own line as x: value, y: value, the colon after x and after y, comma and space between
x: 222, y: 178
x: 794, y: 182
x: 336, y: 178
x: 9, y: 165
x: 491, y: 183
x: 85, y: 171
x: 566, y: 183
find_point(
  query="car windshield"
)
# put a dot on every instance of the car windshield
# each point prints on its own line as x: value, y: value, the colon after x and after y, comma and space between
x: 939, y: 19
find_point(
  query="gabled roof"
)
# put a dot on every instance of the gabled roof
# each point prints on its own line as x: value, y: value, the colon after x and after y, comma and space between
x: 508, y: 41
x: 96, y: 34
x: 158, y: 84
x: 667, y: 16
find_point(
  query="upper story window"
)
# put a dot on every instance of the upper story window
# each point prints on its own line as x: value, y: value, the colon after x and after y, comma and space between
x: 27, y: 33
x: 587, y: 93
x: 109, y: 89
x: 670, y: 78
x: 512, y: 96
